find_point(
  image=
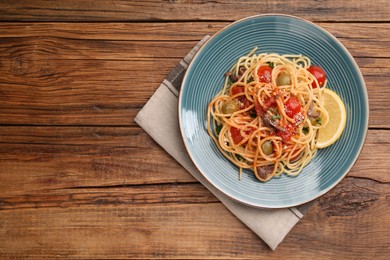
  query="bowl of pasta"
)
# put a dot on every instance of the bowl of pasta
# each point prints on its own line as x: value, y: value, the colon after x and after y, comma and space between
x: 273, y: 111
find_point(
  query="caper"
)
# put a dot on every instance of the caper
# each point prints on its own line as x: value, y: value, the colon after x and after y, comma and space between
x: 267, y: 148
x: 283, y: 79
x: 229, y: 107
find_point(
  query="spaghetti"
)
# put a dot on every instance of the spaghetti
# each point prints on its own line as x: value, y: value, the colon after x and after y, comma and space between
x: 267, y: 115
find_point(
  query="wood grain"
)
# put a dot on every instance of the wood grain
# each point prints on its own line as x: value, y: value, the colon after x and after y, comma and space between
x: 141, y: 221
x: 79, y: 179
x: 34, y: 159
x: 118, y: 10
x: 50, y: 74
x: 38, y: 157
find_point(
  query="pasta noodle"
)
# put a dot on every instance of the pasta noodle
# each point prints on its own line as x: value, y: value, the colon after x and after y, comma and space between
x: 267, y: 115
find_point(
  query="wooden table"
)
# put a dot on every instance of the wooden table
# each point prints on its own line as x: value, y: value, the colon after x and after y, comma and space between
x: 80, y: 179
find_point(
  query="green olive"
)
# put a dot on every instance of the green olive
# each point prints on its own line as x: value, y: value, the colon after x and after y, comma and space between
x: 283, y: 79
x: 267, y: 148
x: 229, y: 107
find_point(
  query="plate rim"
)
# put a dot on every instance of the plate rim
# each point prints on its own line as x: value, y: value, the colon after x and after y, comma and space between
x: 365, y: 121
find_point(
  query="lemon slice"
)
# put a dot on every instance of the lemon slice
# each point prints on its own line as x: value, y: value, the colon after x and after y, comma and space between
x: 337, y: 119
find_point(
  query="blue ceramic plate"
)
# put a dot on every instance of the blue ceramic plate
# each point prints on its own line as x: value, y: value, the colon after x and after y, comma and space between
x: 280, y: 34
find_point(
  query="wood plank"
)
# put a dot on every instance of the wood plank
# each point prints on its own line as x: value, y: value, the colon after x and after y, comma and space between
x: 60, y: 157
x: 353, y: 35
x: 33, y: 159
x: 49, y: 70
x: 125, y: 195
x: 143, y: 222
x: 95, y: 92
x: 345, y: 222
x: 117, y: 10
x: 377, y: 143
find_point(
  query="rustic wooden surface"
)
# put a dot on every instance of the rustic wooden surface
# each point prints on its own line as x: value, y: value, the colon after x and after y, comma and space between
x: 80, y: 179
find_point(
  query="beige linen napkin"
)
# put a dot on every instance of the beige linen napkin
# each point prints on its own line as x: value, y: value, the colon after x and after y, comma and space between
x: 159, y: 118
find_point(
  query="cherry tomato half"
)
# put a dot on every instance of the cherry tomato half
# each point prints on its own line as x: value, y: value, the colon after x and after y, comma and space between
x: 287, y: 133
x: 319, y: 74
x: 236, y: 135
x: 292, y: 106
x: 265, y: 74
x: 236, y: 90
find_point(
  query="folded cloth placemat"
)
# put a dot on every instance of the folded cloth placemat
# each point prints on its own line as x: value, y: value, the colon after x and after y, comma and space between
x: 159, y: 118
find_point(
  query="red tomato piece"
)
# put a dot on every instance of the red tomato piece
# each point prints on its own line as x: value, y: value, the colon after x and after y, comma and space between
x: 319, y: 74
x: 236, y: 90
x: 292, y: 106
x: 236, y: 135
x: 286, y: 134
x: 265, y: 74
